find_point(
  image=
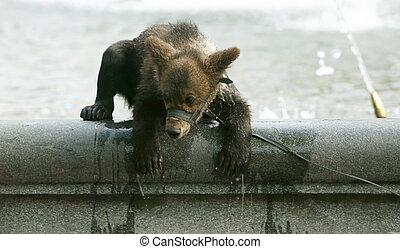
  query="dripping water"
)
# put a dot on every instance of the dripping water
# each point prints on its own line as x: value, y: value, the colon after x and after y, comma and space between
x: 140, y: 187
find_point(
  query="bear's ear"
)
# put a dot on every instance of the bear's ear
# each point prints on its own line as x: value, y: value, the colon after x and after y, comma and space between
x: 159, y: 49
x: 221, y: 60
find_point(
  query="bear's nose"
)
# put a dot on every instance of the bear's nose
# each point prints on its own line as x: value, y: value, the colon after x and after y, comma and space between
x: 173, y: 132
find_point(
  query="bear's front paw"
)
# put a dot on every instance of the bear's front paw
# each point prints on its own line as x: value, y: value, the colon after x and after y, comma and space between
x: 97, y: 112
x: 233, y: 161
x: 146, y: 162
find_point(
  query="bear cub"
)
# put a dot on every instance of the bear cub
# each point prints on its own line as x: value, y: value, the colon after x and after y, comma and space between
x: 170, y: 76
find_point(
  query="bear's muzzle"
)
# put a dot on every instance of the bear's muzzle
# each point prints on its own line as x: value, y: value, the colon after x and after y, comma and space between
x: 176, y: 128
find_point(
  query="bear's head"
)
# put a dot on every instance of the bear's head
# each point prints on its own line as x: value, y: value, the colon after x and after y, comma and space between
x: 188, y: 80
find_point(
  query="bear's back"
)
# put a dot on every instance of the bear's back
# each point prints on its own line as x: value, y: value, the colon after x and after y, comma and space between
x: 181, y: 35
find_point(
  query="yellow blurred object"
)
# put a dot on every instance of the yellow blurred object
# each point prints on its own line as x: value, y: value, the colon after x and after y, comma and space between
x: 380, y: 110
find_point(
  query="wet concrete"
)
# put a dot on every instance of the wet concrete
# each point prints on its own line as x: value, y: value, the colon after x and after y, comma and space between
x: 95, y: 152
x: 71, y: 177
x: 200, y: 214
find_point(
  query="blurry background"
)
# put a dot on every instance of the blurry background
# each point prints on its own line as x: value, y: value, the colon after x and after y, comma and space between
x: 295, y: 62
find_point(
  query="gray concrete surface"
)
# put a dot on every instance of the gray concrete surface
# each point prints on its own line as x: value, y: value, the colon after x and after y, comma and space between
x: 199, y: 214
x: 71, y: 177
x: 91, y: 152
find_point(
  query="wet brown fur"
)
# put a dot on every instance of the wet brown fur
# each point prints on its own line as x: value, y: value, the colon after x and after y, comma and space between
x: 171, y: 67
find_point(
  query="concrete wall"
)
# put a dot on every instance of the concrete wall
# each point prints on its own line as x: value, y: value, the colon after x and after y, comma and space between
x: 73, y: 177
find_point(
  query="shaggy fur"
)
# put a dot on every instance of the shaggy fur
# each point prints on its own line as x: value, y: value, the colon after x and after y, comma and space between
x: 166, y: 67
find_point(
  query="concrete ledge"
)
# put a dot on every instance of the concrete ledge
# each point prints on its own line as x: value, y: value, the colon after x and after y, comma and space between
x: 72, y: 177
x: 75, y: 152
x: 195, y: 189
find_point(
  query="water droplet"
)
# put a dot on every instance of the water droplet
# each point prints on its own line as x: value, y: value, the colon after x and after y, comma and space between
x: 336, y: 53
x: 213, y: 124
x: 321, y: 54
x: 324, y: 70
x: 355, y: 51
x: 307, y: 114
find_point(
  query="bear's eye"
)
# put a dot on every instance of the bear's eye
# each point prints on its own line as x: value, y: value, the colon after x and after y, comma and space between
x: 189, y: 100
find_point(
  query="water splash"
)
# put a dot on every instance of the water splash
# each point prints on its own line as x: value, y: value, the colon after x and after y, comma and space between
x: 268, y: 114
x: 317, y: 14
x: 344, y: 27
x: 323, y: 68
x: 284, y: 107
x: 336, y: 53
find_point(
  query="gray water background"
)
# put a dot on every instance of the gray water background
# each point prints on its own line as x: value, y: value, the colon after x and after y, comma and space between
x: 50, y: 52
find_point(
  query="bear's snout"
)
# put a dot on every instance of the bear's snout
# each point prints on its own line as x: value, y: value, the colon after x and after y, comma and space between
x: 176, y: 128
x: 173, y: 132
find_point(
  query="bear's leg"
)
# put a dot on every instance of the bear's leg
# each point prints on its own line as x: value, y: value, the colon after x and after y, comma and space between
x: 117, y: 75
x: 234, y: 156
x: 148, y: 119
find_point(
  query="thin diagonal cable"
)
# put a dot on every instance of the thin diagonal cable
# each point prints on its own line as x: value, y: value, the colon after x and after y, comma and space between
x: 289, y: 150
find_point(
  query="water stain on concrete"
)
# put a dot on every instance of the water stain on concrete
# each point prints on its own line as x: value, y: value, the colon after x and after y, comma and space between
x: 128, y: 227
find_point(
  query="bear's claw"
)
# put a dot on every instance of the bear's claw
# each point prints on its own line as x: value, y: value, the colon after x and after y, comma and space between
x: 232, y: 163
x: 145, y: 164
x: 96, y: 112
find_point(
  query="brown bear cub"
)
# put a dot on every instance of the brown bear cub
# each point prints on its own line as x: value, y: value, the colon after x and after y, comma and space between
x: 170, y: 75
